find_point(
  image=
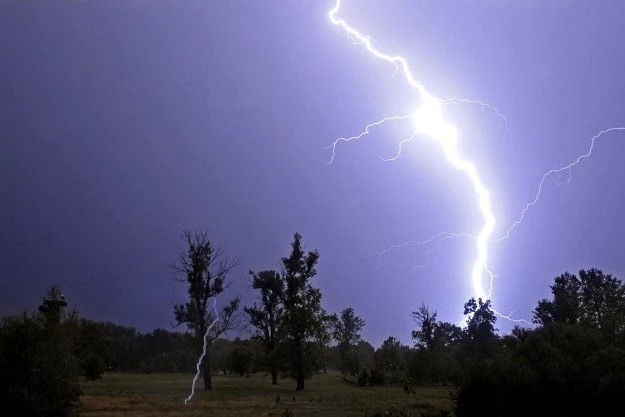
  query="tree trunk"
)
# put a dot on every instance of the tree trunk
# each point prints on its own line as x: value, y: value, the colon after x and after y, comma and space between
x: 299, y: 365
x: 206, y: 371
x: 300, y: 381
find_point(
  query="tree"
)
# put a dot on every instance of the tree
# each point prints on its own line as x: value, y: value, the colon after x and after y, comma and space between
x: 480, y: 331
x: 266, y: 318
x: 555, y: 370
x: 242, y: 356
x: 88, y: 349
x: 565, y: 306
x: 572, y: 365
x: 446, y: 335
x: 39, y: 375
x: 323, y: 337
x: 391, y: 355
x: 592, y: 299
x: 426, y: 325
x: 302, y: 307
x: 204, y: 269
x: 602, y: 301
x: 347, y: 334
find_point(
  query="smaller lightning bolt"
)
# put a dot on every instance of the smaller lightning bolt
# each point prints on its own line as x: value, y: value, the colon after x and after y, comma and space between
x: 510, y: 318
x: 429, y: 253
x: 199, y: 362
x: 366, y: 131
x: 459, y: 100
x: 400, y: 148
x: 438, y: 240
x: 557, y: 171
x: 442, y: 236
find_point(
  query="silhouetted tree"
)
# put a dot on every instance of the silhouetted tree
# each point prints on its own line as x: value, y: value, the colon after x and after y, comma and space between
x: 39, y: 375
x: 480, y: 331
x: 266, y: 317
x: 242, y: 356
x: 302, y: 307
x: 347, y: 329
x: 323, y: 337
x: 204, y: 269
x: 426, y: 326
x: 446, y: 335
x: 556, y: 370
x: 437, y: 343
x: 565, y: 307
x: 391, y: 360
x: 602, y: 301
x: 592, y: 299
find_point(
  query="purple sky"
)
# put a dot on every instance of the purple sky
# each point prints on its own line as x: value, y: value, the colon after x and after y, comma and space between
x: 122, y: 122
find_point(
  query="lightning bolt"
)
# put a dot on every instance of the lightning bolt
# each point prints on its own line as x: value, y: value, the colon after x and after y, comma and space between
x: 458, y: 100
x: 205, y: 342
x: 428, y: 121
x: 332, y: 147
x: 553, y: 171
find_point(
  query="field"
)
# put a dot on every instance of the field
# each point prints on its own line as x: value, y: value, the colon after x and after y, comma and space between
x: 126, y: 394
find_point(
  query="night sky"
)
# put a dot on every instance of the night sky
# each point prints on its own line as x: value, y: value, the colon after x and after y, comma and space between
x: 123, y: 122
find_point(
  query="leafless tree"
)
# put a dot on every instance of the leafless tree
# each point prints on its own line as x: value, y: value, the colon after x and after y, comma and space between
x: 204, y: 269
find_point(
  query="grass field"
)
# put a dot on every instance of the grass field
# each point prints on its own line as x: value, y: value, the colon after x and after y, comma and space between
x: 126, y: 394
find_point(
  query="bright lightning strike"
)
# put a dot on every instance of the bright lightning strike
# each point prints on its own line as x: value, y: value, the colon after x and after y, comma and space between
x: 205, y: 342
x: 428, y: 121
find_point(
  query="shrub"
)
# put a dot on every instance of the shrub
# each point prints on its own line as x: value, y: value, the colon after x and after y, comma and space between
x: 363, y: 378
x: 38, y: 374
x: 93, y: 367
x: 557, y: 370
x: 376, y: 377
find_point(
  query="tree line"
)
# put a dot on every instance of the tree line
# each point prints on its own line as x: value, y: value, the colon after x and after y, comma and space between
x: 572, y: 362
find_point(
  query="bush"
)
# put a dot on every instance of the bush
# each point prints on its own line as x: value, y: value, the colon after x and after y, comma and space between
x: 557, y: 370
x: 39, y: 376
x: 93, y: 367
x: 376, y: 377
x: 363, y: 378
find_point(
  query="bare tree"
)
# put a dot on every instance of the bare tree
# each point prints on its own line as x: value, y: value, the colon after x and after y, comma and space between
x: 425, y: 319
x: 204, y: 269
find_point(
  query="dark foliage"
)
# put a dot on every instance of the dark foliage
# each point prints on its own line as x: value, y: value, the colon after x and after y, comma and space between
x: 346, y: 332
x: 302, y: 310
x: 267, y: 317
x: 557, y: 370
x: 39, y: 375
x: 574, y: 365
x: 101, y: 346
x: 363, y: 377
x: 243, y: 357
x: 591, y: 298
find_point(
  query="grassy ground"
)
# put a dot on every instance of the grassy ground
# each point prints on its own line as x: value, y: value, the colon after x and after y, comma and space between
x: 124, y: 394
